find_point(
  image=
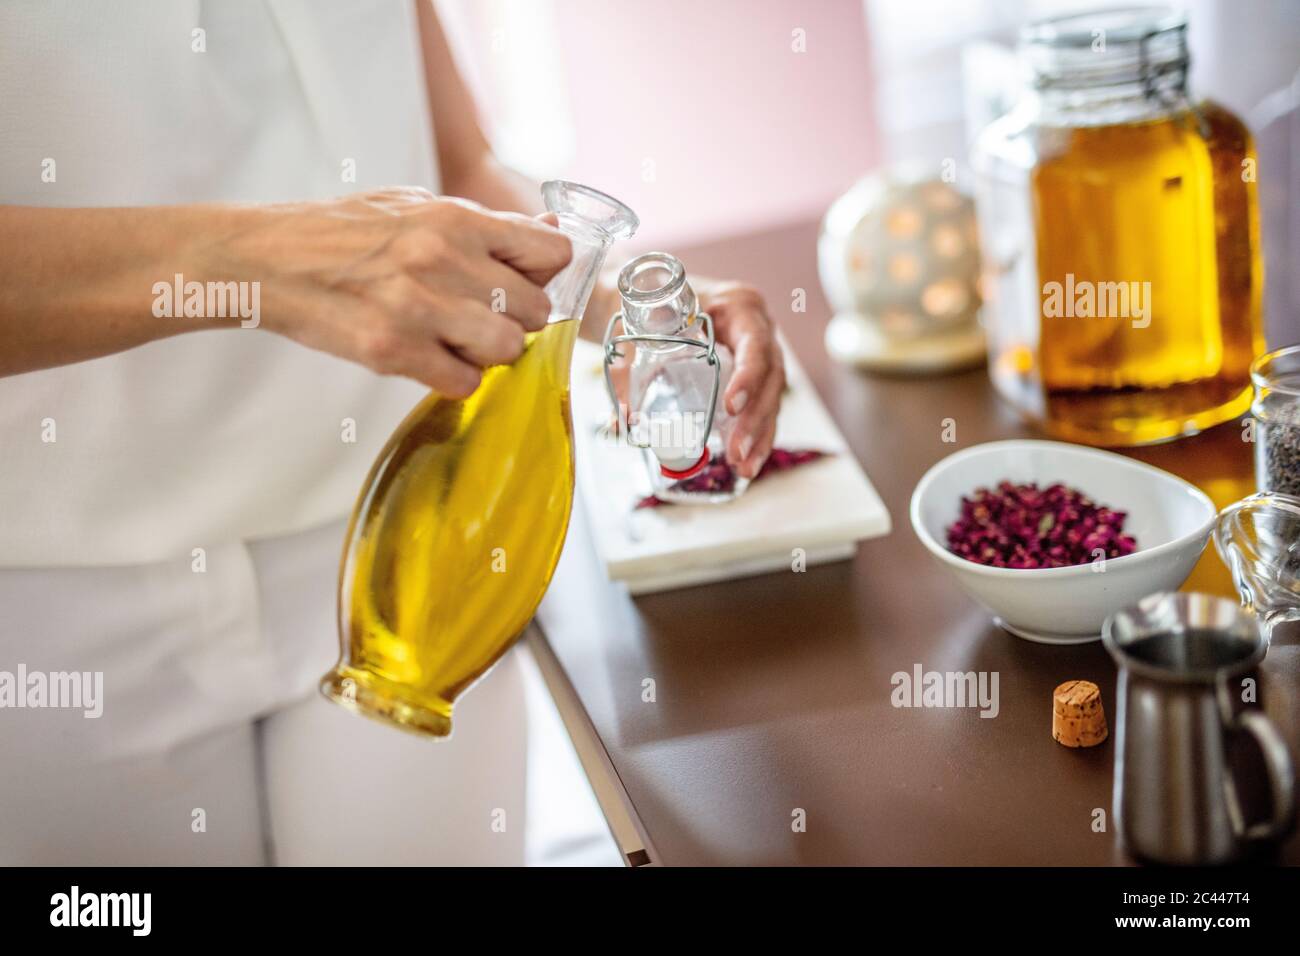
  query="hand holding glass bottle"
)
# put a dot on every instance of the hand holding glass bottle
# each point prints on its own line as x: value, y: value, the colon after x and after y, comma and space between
x: 752, y: 395
x: 672, y: 407
x: 401, y: 281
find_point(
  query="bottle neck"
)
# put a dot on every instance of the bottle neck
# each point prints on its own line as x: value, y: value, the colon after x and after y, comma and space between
x: 572, y: 286
x: 657, y: 299
x: 592, y: 220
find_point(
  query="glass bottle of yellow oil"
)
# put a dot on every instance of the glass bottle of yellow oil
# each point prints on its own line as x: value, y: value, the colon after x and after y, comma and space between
x: 1120, y: 237
x: 459, y: 526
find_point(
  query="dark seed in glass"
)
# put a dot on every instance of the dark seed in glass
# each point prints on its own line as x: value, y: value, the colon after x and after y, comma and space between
x: 1277, y: 452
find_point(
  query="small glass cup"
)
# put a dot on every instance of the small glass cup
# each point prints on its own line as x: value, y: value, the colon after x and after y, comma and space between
x: 1276, y: 377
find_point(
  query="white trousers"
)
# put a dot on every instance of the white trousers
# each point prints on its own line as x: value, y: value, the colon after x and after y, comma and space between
x: 214, y: 746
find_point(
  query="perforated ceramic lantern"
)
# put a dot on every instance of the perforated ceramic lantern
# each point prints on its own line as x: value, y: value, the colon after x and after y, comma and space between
x: 899, y: 262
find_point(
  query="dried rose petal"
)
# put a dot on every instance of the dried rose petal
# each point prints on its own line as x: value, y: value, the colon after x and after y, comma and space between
x: 1025, y: 526
x: 718, y: 476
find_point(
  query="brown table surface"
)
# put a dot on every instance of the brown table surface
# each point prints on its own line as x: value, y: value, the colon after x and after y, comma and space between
x: 773, y: 692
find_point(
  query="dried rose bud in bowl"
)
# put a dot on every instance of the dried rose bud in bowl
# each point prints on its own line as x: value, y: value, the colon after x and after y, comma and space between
x: 1025, y: 526
x: 1050, y: 537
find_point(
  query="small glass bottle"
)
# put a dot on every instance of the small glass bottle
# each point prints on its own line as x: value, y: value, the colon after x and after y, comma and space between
x: 1120, y: 237
x: 674, y: 410
x: 1277, y: 421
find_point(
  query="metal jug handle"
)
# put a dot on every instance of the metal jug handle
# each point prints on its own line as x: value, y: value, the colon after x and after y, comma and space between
x: 1281, y: 777
x: 1277, y: 763
x: 709, y: 348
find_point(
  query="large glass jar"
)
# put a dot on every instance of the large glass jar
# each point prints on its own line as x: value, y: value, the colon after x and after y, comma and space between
x: 1120, y: 237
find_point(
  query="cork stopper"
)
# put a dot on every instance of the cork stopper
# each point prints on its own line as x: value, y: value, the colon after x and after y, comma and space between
x: 1078, y: 719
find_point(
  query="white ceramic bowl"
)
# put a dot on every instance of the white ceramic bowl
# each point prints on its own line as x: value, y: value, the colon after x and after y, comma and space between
x: 1170, y: 519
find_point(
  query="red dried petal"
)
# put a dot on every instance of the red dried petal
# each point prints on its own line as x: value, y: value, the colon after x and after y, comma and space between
x: 1025, y: 526
x: 719, y: 477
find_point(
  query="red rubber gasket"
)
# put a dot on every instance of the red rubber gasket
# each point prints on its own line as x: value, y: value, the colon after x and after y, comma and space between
x: 690, y: 472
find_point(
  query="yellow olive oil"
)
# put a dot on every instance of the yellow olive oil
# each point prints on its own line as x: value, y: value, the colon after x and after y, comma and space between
x: 1163, y: 211
x: 455, y: 538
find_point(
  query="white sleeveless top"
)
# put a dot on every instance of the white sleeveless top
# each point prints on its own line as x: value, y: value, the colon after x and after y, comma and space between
x: 205, y: 437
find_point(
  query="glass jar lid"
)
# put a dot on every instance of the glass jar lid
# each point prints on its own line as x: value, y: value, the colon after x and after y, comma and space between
x: 1145, y: 46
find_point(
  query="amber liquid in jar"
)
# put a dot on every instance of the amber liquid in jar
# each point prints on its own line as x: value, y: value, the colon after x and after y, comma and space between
x: 1167, y: 208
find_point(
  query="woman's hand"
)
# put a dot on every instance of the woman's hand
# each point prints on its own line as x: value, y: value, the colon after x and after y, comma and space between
x: 741, y: 322
x: 398, y: 280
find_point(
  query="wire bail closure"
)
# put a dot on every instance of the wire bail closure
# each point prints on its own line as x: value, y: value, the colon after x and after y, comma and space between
x: 710, y: 355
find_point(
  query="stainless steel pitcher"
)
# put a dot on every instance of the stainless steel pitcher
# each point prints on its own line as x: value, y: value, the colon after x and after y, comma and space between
x: 1181, y: 661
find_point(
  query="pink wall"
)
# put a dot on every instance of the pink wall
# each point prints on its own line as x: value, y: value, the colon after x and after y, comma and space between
x: 743, y: 132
